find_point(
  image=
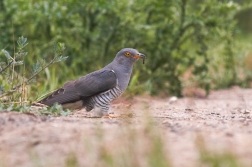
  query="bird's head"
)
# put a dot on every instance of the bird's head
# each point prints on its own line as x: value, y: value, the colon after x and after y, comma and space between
x: 129, y: 55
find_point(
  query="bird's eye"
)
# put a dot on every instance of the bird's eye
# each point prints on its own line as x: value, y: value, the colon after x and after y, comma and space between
x: 127, y: 54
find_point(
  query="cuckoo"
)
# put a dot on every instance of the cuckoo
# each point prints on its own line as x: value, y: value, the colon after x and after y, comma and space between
x: 96, y: 90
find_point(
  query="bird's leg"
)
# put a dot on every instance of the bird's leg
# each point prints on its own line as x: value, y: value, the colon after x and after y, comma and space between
x: 97, y: 112
x: 100, y: 112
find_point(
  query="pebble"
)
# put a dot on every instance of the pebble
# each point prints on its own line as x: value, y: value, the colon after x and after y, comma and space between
x: 246, y: 112
x: 188, y: 109
x: 173, y: 99
x: 229, y: 134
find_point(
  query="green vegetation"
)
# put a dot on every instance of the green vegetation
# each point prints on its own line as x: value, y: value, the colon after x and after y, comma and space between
x: 15, y: 83
x: 216, y: 159
x: 16, y: 77
x: 200, y: 39
x: 187, y: 44
x: 72, y: 161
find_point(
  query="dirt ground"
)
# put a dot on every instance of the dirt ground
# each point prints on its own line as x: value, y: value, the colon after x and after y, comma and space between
x: 223, y: 120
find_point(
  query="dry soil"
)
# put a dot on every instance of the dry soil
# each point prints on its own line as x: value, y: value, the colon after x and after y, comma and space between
x: 222, y: 120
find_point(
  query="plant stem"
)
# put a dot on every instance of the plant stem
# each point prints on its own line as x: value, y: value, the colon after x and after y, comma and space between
x: 14, y: 56
x: 8, y: 65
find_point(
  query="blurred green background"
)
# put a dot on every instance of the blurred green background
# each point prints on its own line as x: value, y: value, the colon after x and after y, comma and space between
x: 188, y: 44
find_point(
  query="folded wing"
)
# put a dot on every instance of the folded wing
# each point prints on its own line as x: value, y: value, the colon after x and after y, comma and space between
x: 82, y: 88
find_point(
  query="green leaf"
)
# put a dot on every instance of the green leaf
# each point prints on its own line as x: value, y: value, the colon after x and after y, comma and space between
x: 60, y: 58
x: 17, y: 63
x: 21, y: 53
x: 2, y: 64
x: 22, y: 42
x: 7, y: 55
x: 59, y: 48
x: 1, y: 89
x: 33, y: 80
x: 41, y: 62
x: 36, y: 67
x: 65, y: 113
x: 57, y: 110
x: 10, y: 108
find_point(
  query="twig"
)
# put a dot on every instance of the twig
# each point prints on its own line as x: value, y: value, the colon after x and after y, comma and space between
x: 8, y: 65
x: 16, y: 102
x: 8, y: 92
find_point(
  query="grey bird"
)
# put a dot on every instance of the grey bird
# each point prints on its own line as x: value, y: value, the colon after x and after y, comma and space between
x: 98, y: 89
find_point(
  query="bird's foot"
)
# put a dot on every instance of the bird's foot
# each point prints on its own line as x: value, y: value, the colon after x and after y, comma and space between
x: 110, y: 116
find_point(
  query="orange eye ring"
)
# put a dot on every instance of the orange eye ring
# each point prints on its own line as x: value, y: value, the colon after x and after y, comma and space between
x: 128, y: 54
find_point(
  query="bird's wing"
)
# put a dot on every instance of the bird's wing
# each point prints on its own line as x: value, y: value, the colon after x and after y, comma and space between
x: 86, y: 86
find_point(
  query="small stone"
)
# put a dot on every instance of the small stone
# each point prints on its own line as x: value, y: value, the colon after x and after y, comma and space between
x: 242, y: 119
x: 173, y: 99
x: 188, y: 109
x: 246, y: 112
x: 11, y: 119
x: 2, y: 121
x: 43, y: 118
x: 229, y: 134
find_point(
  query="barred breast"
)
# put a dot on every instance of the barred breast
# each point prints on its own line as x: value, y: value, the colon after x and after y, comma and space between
x: 103, y: 100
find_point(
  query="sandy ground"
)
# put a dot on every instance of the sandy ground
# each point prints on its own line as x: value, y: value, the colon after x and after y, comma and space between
x: 222, y: 120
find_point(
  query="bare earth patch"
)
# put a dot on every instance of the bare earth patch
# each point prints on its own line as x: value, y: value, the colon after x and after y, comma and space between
x: 222, y: 121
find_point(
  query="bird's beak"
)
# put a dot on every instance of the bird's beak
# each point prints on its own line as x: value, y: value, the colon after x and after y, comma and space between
x: 140, y: 55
